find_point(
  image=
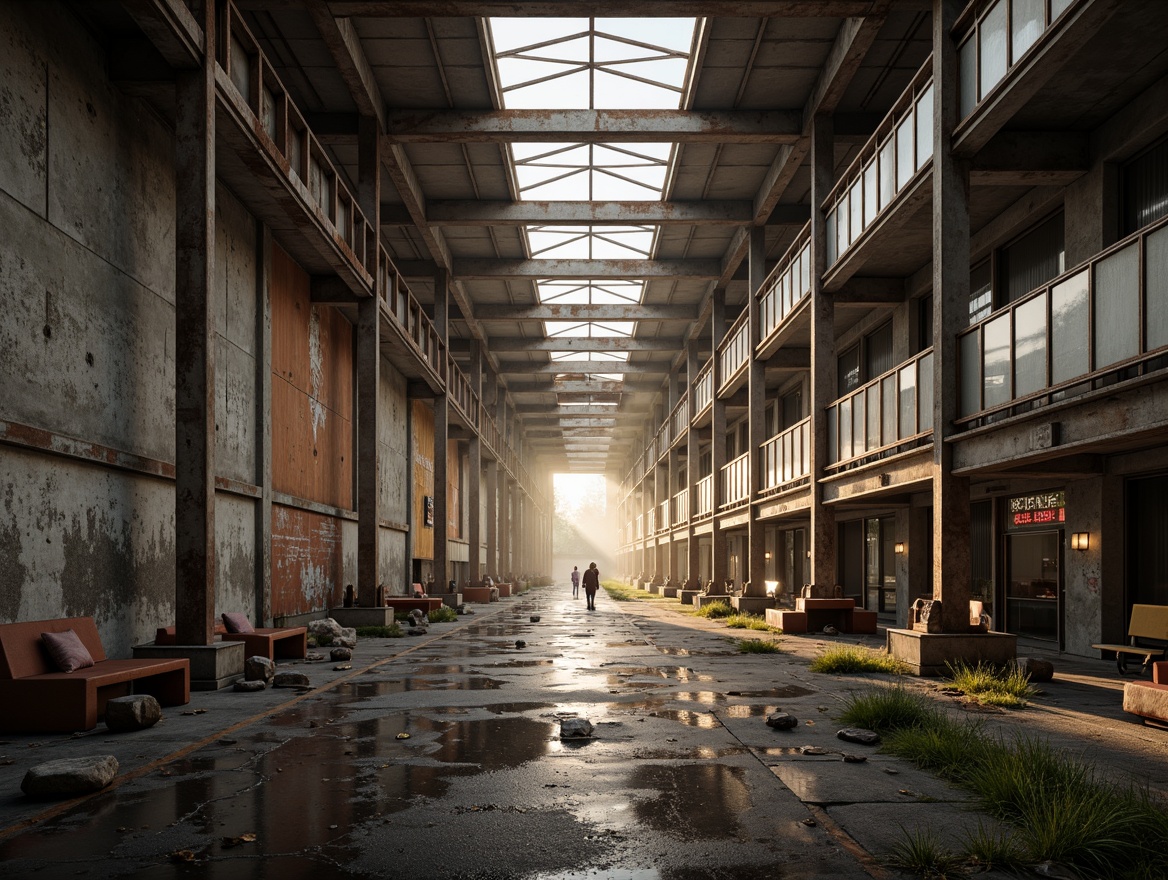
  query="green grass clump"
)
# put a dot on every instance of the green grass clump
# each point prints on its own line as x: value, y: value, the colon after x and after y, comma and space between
x: 715, y: 610
x: 619, y: 592
x: 1009, y: 687
x: 1062, y: 809
x: 845, y: 659
x: 445, y: 614
x: 758, y: 646
x: 750, y: 621
x: 380, y: 632
x: 922, y: 853
x: 887, y: 709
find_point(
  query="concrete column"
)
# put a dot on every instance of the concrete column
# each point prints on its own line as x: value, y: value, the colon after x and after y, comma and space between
x: 505, y: 524
x: 441, y: 437
x: 823, y: 358
x: 194, y: 369
x: 672, y: 471
x: 369, y: 377
x: 263, y: 416
x: 720, y: 556
x: 756, y: 427
x: 692, y: 469
x: 950, y: 315
x: 474, y: 454
x: 491, y: 565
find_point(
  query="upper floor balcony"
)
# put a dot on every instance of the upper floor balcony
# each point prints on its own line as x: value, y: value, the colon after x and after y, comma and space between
x: 1104, y: 320
x: 786, y: 458
x: 784, y: 290
x: 735, y: 482
x: 681, y: 507
x: 734, y: 353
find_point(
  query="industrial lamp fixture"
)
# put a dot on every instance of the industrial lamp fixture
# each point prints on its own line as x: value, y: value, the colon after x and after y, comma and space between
x: 898, y: 547
x: 1080, y: 540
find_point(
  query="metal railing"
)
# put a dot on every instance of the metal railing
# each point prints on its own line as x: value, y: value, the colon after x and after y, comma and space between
x: 892, y: 410
x: 735, y: 349
x: 679, y: 418
x: 703, y: 390
x: 736, y: 481
x: 705, y: 496
x: 681, y: 507
x: 788, y: 285
x: 885, y: 167
x: 786, y: 457
x: 1106, y: 316
x: 663, y: 522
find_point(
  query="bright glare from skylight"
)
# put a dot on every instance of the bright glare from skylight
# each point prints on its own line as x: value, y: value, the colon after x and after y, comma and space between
x: 564, y: 291
x: 590, y: 242
x: 589, y: 328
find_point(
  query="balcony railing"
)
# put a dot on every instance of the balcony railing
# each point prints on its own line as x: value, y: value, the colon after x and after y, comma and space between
x: 640, y: 527
x: 786, y: 458
x: 703, y: 390
x: 280, y: 128
x: 998, y: 39
x: 663, y: 439
x: 787, y: 285
x: 891, y: 411
x: 1104, y: 318
x: 734, y: 350
x: 887, y: 164
x: 736, y: 481
x: 681, y: 507
x: 412, y: 319
x: 679, y: 418
x: 651, y: 523
x: 663, y: 522
x: 705, y: 496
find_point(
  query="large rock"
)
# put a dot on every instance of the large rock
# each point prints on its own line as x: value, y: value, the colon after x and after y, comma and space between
x: 338, y: 655
x: 859, y: 735
x: 325, y: 631
x: 348, y: 637
x: 575, y: 728
x: 258, y: 669
x: 1038, y: 670
x: 782, y: 721
x: 69, y: 776
x: 136, y: 712
x: 291, y: 680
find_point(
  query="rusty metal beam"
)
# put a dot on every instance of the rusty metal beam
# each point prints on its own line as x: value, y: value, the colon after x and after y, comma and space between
x: 536, y: 213
x: 169, y: 25
x: 586, y: 8
x: 583, y: 343
x: 536, y: 411
x: 581, y: 368
x: 344, y: 46
x: 586, y: 312
x: 594, y: 126
x: 467, y: 269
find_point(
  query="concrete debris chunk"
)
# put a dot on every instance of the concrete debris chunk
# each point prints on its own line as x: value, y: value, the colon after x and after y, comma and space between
x: 290, y: 680
x: 67, y: 777
x: 250, y: 685
x: 135, y: 712
x: 258, y: 668
x: 417, y: 631
x: 782, y: 721
x: 1037, y: 669
x: 575, y: 728
x: 348, y: 637
x: 338, y: 655
x: 859, y: 735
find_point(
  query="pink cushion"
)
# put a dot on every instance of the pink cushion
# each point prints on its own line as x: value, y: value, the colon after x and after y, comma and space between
x: 237, y: 623
x: 67, y: 650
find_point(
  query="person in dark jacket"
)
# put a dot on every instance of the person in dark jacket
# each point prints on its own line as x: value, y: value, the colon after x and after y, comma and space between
x: 591, y: 585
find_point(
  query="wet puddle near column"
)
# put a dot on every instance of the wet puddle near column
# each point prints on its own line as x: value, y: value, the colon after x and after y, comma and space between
x: 720, y: 791
x: 703, y: 720
x: 776, y: 693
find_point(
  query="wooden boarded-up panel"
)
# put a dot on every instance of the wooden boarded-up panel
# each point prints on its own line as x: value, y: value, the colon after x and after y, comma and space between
x: 422, y: 442
x: 312, y: 391
x: 307, y: 561
x: 453, y: 496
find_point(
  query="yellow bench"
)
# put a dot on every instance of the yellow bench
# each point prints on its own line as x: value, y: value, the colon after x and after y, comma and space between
x: 1147, y: 622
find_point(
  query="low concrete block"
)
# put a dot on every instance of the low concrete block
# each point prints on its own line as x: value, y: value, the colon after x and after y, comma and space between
x: 930, y: 653
x: 1146, y: 699
x: 751, y: 604
x: 69, y: 776
x: 213, y: 666
x: 687, y: 596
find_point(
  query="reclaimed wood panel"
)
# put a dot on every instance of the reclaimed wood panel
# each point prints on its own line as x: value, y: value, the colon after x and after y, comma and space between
x: 422, y: 443
x: 307, y: 561
x: 453, y: 492
x: 312, y: 391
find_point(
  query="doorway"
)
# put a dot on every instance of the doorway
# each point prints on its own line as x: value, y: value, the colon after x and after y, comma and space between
x: 1034, y: 585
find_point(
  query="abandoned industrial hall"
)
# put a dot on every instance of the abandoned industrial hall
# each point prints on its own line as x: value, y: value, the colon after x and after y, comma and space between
x: 305, y: 304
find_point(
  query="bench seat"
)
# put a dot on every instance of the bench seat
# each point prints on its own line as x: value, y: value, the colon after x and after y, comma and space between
x: 1147, y: 622
x: 39, y: 699
x: 275, y: 643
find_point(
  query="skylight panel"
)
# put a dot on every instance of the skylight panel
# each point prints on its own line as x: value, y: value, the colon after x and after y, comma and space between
x: 569, y: 292
x: 588, y: 328
x: 590, y: 242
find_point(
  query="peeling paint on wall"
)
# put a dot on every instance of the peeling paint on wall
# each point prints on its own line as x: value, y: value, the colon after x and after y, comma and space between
x: 307, y: 561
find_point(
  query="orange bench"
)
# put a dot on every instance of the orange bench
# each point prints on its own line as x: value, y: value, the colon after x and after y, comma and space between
x: 39, y: 699
x: 275, y: 643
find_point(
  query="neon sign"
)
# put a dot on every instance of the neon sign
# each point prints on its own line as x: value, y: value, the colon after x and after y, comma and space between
x: 1044, y: 509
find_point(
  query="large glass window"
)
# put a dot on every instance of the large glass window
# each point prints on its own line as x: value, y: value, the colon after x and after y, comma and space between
x: 1033, y: 259
x: 981, y: 292
x: 1147, y: 523
x: 848, y: 378
x: 878, y: 351
x: 1145, y: 188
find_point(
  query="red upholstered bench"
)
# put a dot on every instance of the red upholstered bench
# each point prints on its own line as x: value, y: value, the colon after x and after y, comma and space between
x: 39, y: 699
x: 275, y: 643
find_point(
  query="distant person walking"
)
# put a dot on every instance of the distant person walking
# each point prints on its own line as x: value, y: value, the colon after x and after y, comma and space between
x: 591, y: 585
x: 575, y: 582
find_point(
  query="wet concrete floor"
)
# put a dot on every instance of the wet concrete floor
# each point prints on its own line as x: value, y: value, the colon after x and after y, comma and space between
x: 440, y: 757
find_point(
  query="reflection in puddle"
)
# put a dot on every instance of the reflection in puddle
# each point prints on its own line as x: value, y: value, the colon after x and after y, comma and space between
x: 517, y: 664
x: 719, y: 790
x: 704, y: 720
x: 748, y: 711
x: 710, y: 872
x: 777, y: 693
x: 704, y: 753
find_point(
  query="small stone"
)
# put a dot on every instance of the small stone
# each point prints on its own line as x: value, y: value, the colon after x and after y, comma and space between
x: 855, y: 759
x: 258, y: 669
x: 403, y: 735
x: 830, y: 630
x: 575, y: 728
x: 535, y: 618
x: 339, y: 655
x: 290, y: 680
x: 342, y: 667
x: 136, y: 712
x: 313, y: 657
x: 810, y: 823
x: 417, y: 631
x: 782, y: 721
x: 519, y: 643
x: 1038, y: 670
x: 813, y: 750
x: 248, y: 687
x: 69, y: 776
x: 859, y: 735
x: 890, y: 771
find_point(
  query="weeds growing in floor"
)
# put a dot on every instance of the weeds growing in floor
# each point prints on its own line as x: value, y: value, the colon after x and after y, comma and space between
x: 619, y: 592
x: 750, y: 621
x: 1009, y: 687
x: 380, y: 632
x: 758, y: 646
x: 714, y: 610
x: 1062, y: 809
x: 445, y: 614
x: 921, y: 852
x: 845, y: 659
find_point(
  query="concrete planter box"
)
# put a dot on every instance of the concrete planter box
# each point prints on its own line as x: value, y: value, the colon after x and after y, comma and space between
x: 930, y: 653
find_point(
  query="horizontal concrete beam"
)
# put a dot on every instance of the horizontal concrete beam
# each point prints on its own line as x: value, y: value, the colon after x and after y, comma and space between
x: 693, y: 270
x: 585, y: 8
x: 586, y: 312
x: 1027, y: 158
x: 582, y: 343
x: 581, y: 368
x: 498, y: 212
x: 594, y: 126
x: 871, y: 291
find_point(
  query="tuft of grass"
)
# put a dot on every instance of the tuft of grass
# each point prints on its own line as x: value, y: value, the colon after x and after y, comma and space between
x: 619, y: 592
x: 889, y: 708
x: 380, y: 632
x: 715, y: 610
x: 989, y: 850
x: 1009, y: 687
x: 845, y: 659
x: 750, y: 621
x: 758, y: 646
x: 921, y: 852
x: 445, y: 614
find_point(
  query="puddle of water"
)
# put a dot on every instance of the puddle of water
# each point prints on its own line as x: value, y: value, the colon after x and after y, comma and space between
x: 517, y: 664
x: 516, y: 708
x: 775, y: 693
x: 700, y: 753
x: 703, y: 720
x: 719, y: 790
x: 711, y: 872
x: 748, y: 711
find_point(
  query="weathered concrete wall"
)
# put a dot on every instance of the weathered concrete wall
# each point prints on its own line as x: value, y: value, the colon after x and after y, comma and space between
x: 394, y: 477
x: 1082, y: 569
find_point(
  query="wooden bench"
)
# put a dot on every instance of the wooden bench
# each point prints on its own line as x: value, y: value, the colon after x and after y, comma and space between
x: 39, y: 699
x: 275, y: 643
x: 1147, y: 622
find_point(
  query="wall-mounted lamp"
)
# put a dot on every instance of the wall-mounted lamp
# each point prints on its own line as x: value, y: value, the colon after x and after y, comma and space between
x: 767, y: 555
x: 1080, y: 540
x: 899, y: 548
